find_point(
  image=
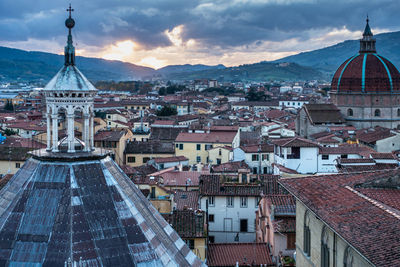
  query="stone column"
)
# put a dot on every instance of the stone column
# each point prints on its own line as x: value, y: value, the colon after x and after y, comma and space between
x: 91, y: 131
x: 54, y: 122
x: 86, y: 132
x: 48, y: 148
x: 70, y: 133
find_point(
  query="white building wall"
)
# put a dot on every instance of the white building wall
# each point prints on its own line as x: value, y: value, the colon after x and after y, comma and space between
x: 329, y: 165
x: 226, y: 225
x: 388, y: 144
x: 307, y: 163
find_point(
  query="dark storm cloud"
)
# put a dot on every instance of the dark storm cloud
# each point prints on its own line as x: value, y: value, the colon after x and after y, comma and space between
x: 221, y: 23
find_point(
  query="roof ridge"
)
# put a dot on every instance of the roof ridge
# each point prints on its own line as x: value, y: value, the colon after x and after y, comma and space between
x: 392, y: 211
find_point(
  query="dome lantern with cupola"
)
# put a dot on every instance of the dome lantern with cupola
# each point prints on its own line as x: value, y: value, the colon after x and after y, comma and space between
x: 69, y: 95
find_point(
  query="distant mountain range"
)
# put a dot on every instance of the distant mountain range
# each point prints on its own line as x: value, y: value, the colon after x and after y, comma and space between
x: 262, y: 71
x: 317, y: 64
x: 329, y: 59
x: 16, y: 63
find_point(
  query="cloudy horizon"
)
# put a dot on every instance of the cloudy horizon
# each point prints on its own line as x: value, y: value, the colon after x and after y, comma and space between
x: 157, y: 33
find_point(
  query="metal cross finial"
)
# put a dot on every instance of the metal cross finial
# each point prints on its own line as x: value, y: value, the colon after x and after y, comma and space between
x: 367, y: 18
x: 70, y: 10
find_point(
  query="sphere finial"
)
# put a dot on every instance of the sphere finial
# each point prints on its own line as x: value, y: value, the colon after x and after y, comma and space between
x: 70, y: 22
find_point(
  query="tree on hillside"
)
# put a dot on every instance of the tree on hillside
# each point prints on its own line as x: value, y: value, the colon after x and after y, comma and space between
x: 9, y: 106
x: 162, y: 91
x: 254, y: 95
x: 167, y: 111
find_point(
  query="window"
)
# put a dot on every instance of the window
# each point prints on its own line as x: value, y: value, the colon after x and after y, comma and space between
x: 198, y: 147
x: 291, y: 241
x: 255, y: 170
x: 307, y: 235
x: 377, y: 112
x: 343, y: 156
x: 398, y: 112
x: 207, y: 147
x: 17, y: 165
x: 210, y: 217
x: 265, y: 157
x: 176, y: 145
x: 218, y: 161
x: 211, y: 239
x: 180, y: 146
x: 349, y: 112
x: 244, y: 178
x: 243, y: 202
x: 348, y: 258
x: 293, y: 153
x: 190, y: 243
x: 198, y: 159
x: 325, y: 157
x: 324, y: 248
x: 220, y: 152
x: 254, y: 157
x: 211, y: 201
x: 162, y: 166
x: 131, y: 159
x: 229, y: 202
x: 153, y: 193
x: 243, y: 225
x: 146, y: 159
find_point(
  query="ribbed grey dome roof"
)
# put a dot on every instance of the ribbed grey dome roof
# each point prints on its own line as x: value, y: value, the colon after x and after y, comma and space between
x: 69, y: 78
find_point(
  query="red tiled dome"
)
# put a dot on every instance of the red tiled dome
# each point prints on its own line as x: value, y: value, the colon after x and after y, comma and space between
x: 367, y: 73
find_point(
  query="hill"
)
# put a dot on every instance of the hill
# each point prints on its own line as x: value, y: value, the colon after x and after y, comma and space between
x: 19, y: 64
x: 187, y: 68
x: 329, y: 59
x: 254, y: 72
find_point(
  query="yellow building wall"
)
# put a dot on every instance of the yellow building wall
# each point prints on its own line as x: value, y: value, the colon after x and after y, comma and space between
x: 316, y: 228
x: 213, y: 154
x: 8, y: 167
x: 139, y: 158
x: 162, y: 205
x: 190, y: 151
x: 200, y: 248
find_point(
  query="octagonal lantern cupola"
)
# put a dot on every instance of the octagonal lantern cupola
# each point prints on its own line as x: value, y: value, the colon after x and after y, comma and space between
x: 69, y: 93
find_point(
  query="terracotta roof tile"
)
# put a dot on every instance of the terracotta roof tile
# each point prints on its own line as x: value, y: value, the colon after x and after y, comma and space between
x: 186, y: 200
x: 283, y: 204
x: 245, y: 254
x: 371, y: 135
x: 233, y: 166
x: 212, y: 185
x: 323, y: 113
x: 187, y: 223
x: 294, y: 142
x: 338, y: 201
x: 170, y: 159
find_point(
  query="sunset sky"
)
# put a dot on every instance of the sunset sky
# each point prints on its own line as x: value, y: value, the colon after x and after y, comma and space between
x: 156, y: 33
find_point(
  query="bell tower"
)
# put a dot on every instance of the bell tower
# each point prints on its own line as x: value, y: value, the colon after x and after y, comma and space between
x: 69, y: 93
